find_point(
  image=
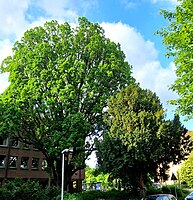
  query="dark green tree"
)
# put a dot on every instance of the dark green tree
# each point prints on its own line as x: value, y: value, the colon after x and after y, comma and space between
x: 140, y: 142
x: 60, y: 81
x: 177, y: 37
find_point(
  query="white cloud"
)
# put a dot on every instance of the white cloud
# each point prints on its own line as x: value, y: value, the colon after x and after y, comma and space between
x: 129, y: 4
x: 60, y: 9
x: 132, y: 42
x: 66, y: 10
x: 3, y: 82
x: 143, y: 56
x: 5, y: 49
x: 14, y: 21
x: 147, y: 69
x: 16, y: 17
x: 140, y: 53
x: 92, y: 160
x: 12, y: 17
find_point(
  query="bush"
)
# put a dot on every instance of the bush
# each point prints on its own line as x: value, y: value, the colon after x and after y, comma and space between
x: 52, y: 193
x: 172, y: 189
x: 175, y: 191
x: 121, y: 195
x: 169, y: 189
x: 19, y: 189
x: 68, y: 196
x: 99, y: 195
x: 185, y: 192
x: 153, y: 190
x: 88, y: 195
x: 166, y: 189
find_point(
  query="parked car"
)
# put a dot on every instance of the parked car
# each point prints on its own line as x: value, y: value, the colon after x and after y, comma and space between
x: 160, y: 197
x: 190, y: 196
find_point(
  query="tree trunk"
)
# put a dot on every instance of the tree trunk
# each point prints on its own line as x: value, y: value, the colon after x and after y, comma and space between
x: 141, y: 185
x: 53, y: 174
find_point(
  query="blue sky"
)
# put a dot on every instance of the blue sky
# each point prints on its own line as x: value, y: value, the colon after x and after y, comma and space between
x: 132, y: 23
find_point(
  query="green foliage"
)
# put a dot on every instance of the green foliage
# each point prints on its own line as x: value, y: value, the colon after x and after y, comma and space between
x: 60, y: 81
x: 122, y: 195
x: 21, y: 190
x: 177, y: 37
x: 168, y: 189
x: 99, y: 195
x: 93, y: 175
x: 186, y: 171
x: 138, y: 145
x: 176, y: 191
x: 68, y: 196
x: 191, y: 134
x: 89, y: 175
x: 173, y: 189
x: 152, y: 190
x: 184, y: 193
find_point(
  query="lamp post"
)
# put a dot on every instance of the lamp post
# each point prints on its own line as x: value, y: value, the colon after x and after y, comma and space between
x: 63, y: 169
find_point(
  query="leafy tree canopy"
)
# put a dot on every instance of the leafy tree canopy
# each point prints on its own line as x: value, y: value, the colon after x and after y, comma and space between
x: 93, y: 176
x: 177, y: 37
x: 140, y: 142
x: 60, y: 80
x: 186, y: 171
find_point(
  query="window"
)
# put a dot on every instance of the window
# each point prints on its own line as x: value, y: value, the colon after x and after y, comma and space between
x: 15, y: 143
x: 2, y: 161
x: 35, y: 148
x: 24, y: 163
x: 13, y: 162
x: 74, y: 185
x: 35, y: 163
x: 44, y: 164
x: 25, y: 146
x: 3, y: 141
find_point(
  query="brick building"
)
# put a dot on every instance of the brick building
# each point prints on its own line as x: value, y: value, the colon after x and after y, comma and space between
x: 26, y: 162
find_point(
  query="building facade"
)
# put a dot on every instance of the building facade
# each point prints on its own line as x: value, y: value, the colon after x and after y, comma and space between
x: 18, y: 160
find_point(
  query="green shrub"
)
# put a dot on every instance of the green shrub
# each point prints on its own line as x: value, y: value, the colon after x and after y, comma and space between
x: 175, y: 191
x: 88, y: 195
x: 68, y: 196
x: 99, y: 195
x: 121, y: 195
x: 52, y: 193
x: 19, y: 189
x: 153, y: 190
x: 166, y: 189
x: 172, y: 189
x: 185, y: 192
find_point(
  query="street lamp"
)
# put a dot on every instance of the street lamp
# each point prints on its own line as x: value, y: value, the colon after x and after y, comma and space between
x: 70, y: 150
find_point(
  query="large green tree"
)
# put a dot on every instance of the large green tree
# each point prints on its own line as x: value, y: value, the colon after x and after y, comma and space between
x: 60, y: 80
x: 186, y: 171
x: 140, y: 142
x: 178, y: 38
